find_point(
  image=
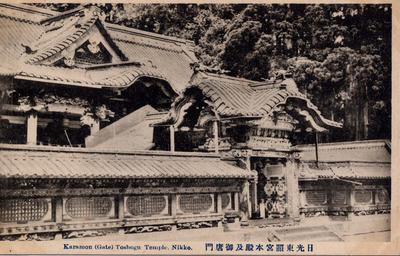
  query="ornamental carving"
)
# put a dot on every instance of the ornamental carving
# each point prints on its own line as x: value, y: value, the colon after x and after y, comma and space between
x: 22, y: 210
x: 276, y: 201
x: 258, y: 142
x: 88, y: 207
x: 47, y: 102
x: 383, y: 196
x: 195, y: 203
x: 363, y: 196
x: 98, y: 113
x: 226, y: 200
x: 318, y: 197
x: 223, y: 144
x: 339, y: 197
x: 146, y: 205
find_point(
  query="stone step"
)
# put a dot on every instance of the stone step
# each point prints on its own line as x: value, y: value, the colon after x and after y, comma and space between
x: 311, y: 236
x: 301, y: 229
x: 307, y: 233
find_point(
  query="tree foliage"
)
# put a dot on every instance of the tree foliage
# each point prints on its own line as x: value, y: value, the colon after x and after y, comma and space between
x: 339, y: 55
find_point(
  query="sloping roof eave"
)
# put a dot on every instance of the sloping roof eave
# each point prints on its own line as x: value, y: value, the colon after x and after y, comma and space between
x: 18, y: 162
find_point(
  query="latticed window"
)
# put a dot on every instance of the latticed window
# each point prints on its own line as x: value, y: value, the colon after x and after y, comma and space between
x: 339, y: 197
x: 22, y: 210
x: 146, y: 205
x: 83, y: 207
x: 383, y: 196
x: 363, y: 196
x: 195, y: 203
x: 226, y: 200
x: 316, y: 197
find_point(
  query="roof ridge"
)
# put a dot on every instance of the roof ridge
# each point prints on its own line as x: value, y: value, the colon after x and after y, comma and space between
x: 19, y: 19
x: 124, y: 29
x: 28, y: 8
x: 131, y: 41
x: 254, y: 85
x: 23, y: 147
x: 347, y: 144
x: 63, y: 15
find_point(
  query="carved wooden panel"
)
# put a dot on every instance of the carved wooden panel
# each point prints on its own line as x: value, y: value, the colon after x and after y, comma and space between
x: 146, y: 205
x: 259, y: 142
x: 226, y: 201
x: 363, y: 196
x: 383, y: 196
x: 339, y: 197
x: 22, y: 210
x: 276, y: 201
x: 317, y: 197
x: 88, y: 207
x: 195, y: 203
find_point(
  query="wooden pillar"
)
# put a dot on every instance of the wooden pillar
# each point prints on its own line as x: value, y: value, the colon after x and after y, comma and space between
x: 262, y: 209
x: 292, y: 186
x: 316, y: 149
x: 58, y: 216
x: 248, y: 163
x: 95, y: 127
x: 253, y: 195
x: 236, y: 201
x: 121, y: 207
x: 31, y: 128
x: 352, y: 200
x: 218, y: 198
x: 216, y: 136
x: 121, y: 211
x: 247, y: 201
x: 173, y: 206
x: 58, y: 209
x: 172, y: 138
x: 375, y: 199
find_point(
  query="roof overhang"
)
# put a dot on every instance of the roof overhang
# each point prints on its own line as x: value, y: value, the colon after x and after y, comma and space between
x: 69, y: 163
x: 345, y: 171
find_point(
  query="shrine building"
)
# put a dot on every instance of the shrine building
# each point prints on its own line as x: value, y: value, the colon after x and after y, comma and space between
x: 105, y: 129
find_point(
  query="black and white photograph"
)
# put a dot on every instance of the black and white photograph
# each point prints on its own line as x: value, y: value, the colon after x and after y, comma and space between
x: 243, y: 128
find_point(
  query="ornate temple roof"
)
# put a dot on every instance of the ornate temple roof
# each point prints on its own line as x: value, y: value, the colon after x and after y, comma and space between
x: 356, y: 159
x: 232, y: 97
x: 102, y: 77
x: 345, y: 170
x: 54, y: 162
x: 374, y: 151
x: 34, y: 39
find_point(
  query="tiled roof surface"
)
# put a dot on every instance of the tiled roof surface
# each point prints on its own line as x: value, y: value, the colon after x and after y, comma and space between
x: 365, y: 151
x: 14, y: 33
x: 239, y: 97
x: 21, y: 29
x: 345, y: 170
x: 170, y: 59
x: 40, y: 162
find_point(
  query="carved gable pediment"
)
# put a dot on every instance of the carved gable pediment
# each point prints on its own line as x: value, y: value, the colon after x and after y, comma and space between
x: 75, y: 40
x: 93, y: 51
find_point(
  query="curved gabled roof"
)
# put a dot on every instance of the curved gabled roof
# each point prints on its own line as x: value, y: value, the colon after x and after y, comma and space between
x: 231, y: 97
x: 113, y: 77
x: 30, y: 35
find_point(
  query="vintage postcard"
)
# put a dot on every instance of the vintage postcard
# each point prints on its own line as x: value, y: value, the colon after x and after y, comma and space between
x: 199, y: 128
